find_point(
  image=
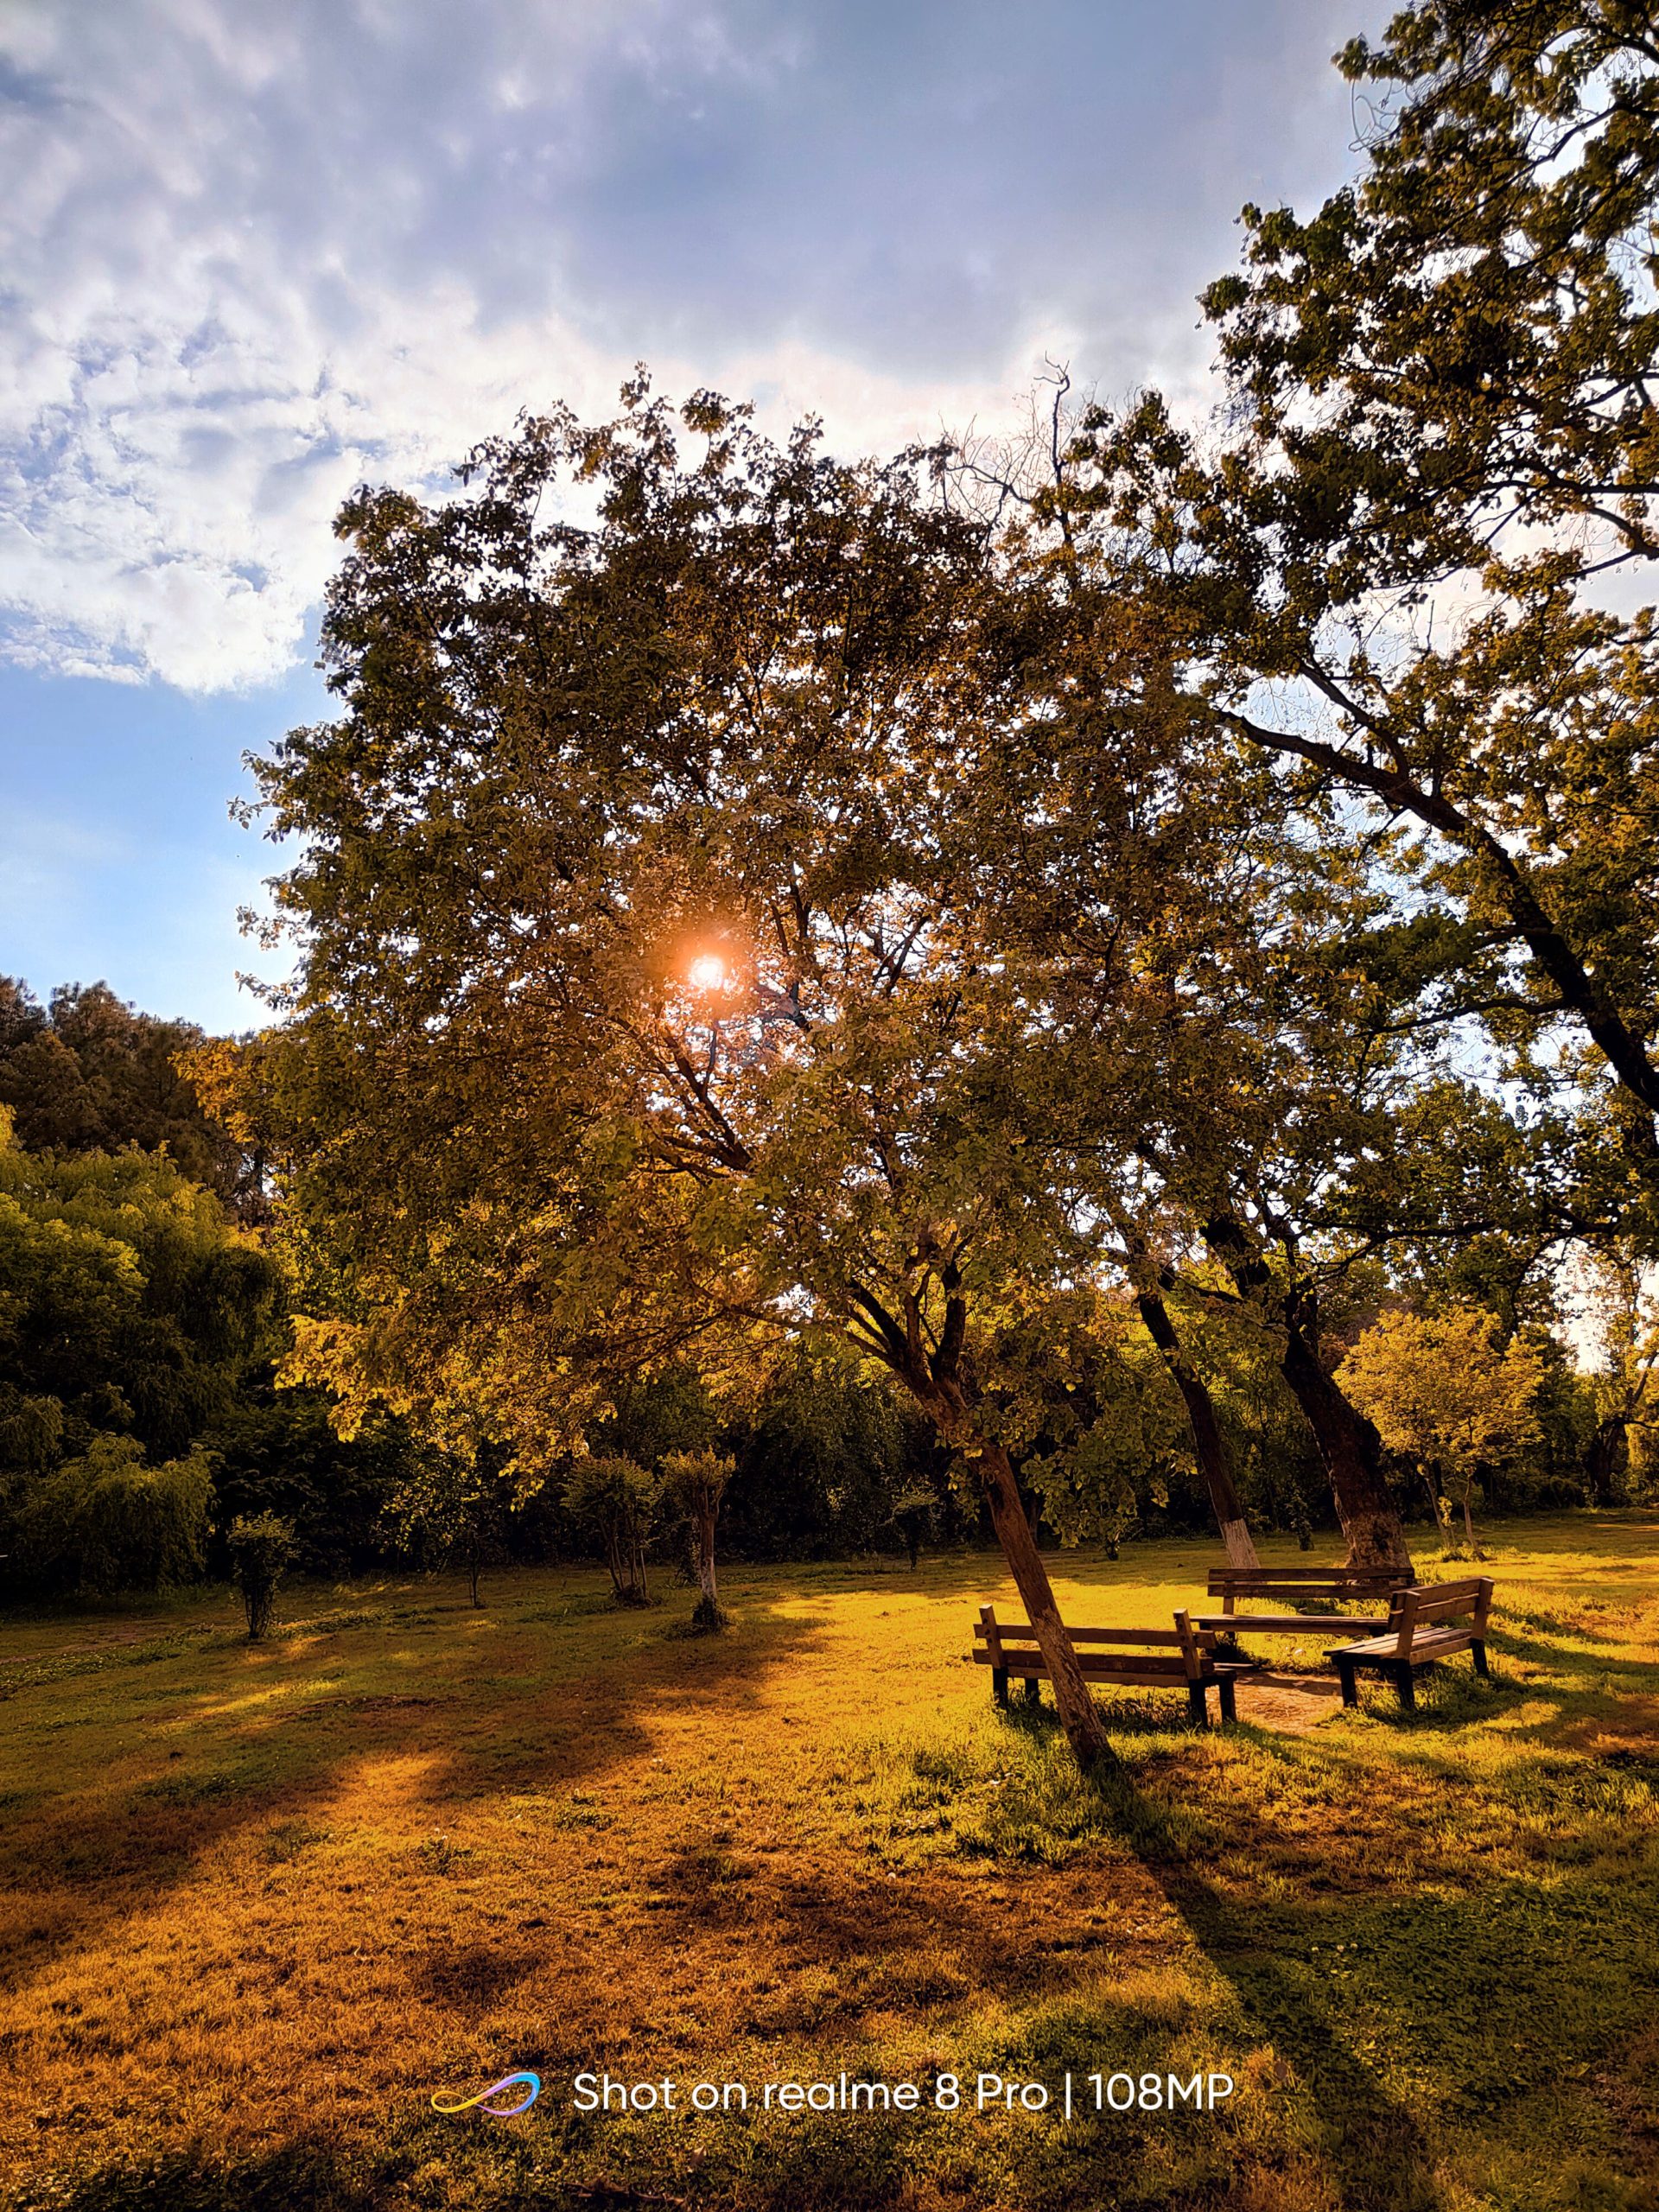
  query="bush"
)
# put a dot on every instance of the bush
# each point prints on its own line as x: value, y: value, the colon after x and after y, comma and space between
x: 262, y: 1547
x: 615, y: 1501
x: 105, y: 1521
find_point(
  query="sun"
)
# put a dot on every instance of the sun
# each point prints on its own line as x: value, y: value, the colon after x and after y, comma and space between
x: 708, y: 972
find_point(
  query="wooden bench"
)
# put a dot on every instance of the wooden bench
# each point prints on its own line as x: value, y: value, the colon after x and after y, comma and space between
x: 1311, y: 1592
x: 1183, y: 1658
x: 1423, y: 1628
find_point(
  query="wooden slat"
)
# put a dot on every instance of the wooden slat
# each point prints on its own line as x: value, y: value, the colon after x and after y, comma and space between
x: 1099, y: 1666
x: 1021, y: 1633
x: 1444, y: 1600
x: 1245, y: 1577
x: 1430, y: 1643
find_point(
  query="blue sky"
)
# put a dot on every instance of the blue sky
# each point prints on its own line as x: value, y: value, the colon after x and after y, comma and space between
x: 255, y: 255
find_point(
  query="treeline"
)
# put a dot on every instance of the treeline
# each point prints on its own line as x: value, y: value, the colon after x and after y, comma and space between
x: 143, y: 1315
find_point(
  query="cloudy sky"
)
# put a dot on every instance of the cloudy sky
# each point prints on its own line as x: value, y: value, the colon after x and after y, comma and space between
x: 256, y: 252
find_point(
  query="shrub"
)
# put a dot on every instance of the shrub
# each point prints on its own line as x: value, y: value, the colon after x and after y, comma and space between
x: 614, y: 1501
x: 262, y: 1547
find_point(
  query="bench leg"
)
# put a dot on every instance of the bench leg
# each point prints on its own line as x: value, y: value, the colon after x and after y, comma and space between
x: 1228, y: 1703
x: 1033, y: 1690
x: 1000, y: 1684
x: 1198, y: 1705
x: 1349, y: 1686
x: 1408, y: 1689
x: 1478, y: 1653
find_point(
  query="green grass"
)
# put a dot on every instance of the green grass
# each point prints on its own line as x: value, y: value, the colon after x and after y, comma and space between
x: 262, y: 1902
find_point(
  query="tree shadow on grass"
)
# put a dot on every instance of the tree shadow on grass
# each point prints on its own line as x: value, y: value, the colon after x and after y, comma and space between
x: 297, y: 2177
x: 83, y: 1856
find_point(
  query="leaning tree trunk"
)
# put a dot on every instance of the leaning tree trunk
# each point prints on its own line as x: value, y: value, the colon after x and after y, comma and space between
x: 1079, y: 1715
x: 934, y: 1376
x: 1347, y: 1444
x: 1352, y: 1453
x: 1208, y: 1445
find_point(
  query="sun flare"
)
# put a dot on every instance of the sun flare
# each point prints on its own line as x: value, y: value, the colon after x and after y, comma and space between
x: 708, y: 972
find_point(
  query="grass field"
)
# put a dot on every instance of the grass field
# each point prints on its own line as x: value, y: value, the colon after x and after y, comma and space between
x: 261, y: 1902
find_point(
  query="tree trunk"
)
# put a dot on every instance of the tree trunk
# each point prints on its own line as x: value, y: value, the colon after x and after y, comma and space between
x: 1349, y: 1446
x: 1079, y: 1715
x: 1352, y: 1453
x: 704, y: 1522
x: 1208, y: 1445
x: 934, y: 1378
x: 707, y: 1613
x: 1475, y: 1552
x: 1603, y: 1460
x: 1437, y: 1506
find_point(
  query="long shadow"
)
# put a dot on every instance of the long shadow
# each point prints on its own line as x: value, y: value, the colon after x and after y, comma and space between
x: 1381, y: 2159
x: 99, y: 1856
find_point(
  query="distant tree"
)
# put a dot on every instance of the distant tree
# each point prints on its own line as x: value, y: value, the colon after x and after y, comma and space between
x: 261, y: 1547
x: 129, y: 1311
x: 89, y: 1073
x: 1444, y: 1390
x: 616, y: 1502
x: 915, y: 1512
x: 277, y: 1450
x: 452, y: 1505
x: 822, y: 1450
x: 125, y: 1298
x: 696, y: 1481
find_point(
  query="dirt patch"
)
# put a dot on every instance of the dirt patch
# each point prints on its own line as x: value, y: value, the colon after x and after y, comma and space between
x: 1290, y: 1704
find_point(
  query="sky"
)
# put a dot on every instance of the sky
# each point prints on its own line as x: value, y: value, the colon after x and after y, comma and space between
x: 252, y: 256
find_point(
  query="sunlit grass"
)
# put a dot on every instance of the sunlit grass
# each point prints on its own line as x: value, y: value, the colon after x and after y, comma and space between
x: 261, y: 1901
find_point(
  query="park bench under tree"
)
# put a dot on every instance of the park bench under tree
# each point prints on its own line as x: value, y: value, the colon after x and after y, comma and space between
x: 1183, y: 1657
x: 1305, y: 1597
x: 1426, y: 1625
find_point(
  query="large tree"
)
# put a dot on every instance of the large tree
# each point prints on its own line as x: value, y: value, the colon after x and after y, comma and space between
x: 1401, y: 559
x: 664, y: 985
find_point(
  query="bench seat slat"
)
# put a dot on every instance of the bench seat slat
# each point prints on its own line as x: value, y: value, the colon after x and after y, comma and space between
x: 1349, y: 1578
x: 1020, y: 1633
x: 1099, y: 1666
x: 1433, y: 1640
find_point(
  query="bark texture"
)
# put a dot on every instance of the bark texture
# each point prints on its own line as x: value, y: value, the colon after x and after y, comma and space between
x: 934, y: 1374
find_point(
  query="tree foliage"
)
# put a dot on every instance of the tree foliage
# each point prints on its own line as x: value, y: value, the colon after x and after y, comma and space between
x: 89, y: 1073
x: 1445, y: 1391
x: 262, y: 1548
x: 616, y: 1503
x: 106, y: 1521
x: 1388, y: 563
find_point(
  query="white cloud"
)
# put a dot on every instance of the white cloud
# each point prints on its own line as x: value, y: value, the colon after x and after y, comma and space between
x: 255, y: 256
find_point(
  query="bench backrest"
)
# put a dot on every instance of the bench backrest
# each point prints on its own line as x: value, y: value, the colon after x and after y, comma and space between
x: 1184, y: 1642
x: 1431, y: 1602
x: 1307, y: 1581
